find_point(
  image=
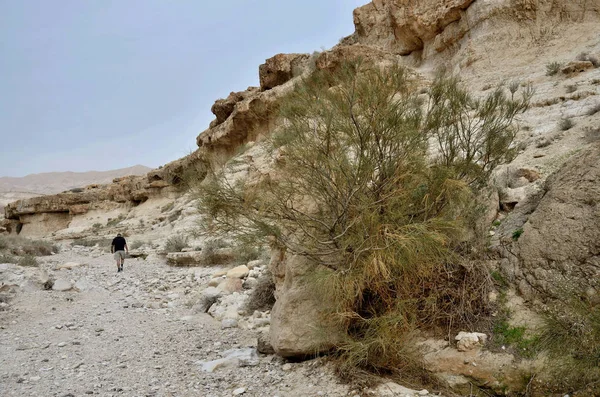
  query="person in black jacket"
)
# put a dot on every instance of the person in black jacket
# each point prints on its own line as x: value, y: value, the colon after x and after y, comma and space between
x: 119, y: 247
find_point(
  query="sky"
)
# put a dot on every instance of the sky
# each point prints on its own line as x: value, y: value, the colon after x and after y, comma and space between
x: 100, y: 85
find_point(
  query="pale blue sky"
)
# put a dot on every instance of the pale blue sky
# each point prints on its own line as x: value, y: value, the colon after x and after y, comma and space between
x: 105, y: 84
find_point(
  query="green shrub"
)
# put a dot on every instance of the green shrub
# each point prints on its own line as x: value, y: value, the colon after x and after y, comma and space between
x: 176, y: 243
x: 516, y: 234
x: 359, y: 193
x: 28, y: 260
x: 553, y: 68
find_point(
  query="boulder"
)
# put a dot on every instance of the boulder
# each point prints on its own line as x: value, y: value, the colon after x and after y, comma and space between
x: 238, y: 272
x: 300, y: 321
x: 559, y: 246
x: 230, y: 285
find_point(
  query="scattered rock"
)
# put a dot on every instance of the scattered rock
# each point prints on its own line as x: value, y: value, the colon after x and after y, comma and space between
x: 238, y: 272
x: 62, y: 285
x: 233, y: 358
x: 469, y: 340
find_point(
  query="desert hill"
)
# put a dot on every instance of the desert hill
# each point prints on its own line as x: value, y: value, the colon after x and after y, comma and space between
x: 56, y: 182
x: 19, y: 188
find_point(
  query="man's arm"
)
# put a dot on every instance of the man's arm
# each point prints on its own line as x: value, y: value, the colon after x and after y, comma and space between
x: 126, y: 248
x: 112, y: 248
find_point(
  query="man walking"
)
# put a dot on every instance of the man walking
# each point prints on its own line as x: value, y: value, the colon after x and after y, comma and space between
x: 118, y: 247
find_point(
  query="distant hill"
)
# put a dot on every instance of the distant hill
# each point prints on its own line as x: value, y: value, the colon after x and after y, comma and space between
x: 12, y: 189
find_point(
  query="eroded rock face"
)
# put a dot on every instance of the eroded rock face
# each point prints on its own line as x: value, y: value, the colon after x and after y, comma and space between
x: 403, y: 26
x: 560, y: 243
x: 223, y: 108
x: 280, y: 69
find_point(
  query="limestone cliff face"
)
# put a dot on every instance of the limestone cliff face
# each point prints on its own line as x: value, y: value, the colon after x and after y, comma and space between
x: 404, y: 26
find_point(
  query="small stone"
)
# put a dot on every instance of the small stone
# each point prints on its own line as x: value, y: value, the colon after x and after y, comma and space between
x: 286, y: 367
x: 239, y: 391
x: 423, y: 392
x: 61, y: 344
x: 229, y: 323
x: 62, y: 285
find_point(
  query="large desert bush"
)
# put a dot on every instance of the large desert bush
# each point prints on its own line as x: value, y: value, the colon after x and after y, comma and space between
x: 377, y: 184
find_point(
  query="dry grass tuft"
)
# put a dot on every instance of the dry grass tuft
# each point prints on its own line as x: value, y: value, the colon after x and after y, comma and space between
x: 262, y: 297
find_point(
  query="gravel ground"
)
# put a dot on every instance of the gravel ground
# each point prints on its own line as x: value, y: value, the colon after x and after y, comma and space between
x: 131, y: 334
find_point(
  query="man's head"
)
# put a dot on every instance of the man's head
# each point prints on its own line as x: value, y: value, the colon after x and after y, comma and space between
x: 119, y: 235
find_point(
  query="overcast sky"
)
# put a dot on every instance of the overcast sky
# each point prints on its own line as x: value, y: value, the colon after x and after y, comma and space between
x: 98, y: 85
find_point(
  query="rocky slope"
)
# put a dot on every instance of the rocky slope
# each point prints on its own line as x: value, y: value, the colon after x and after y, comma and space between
x: 548, y: 195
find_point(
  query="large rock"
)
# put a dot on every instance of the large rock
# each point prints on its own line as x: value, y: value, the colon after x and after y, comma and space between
x: 300, y: 321
x: 560, y: 243
x: 280, y: 69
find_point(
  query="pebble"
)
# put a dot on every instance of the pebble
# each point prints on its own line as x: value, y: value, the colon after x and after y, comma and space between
x: 239, y: 391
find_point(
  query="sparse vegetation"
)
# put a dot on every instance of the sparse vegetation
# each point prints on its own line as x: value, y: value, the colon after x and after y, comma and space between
x: 517, y: 234
x: 553, y: 68
x: 566, y: 124
x: 112, y: 222
x: 263, y: 295
x: 101, y: 242
x: 570, y: 89
x: 7, y: 258
x: 137, y: 244
x: 29, y: 261
x: 17, y: 245
x: 245, y: 253
x: 571, y: 336
x: 357, y: 195
x: 584, y: 56
x: 176, y: 243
